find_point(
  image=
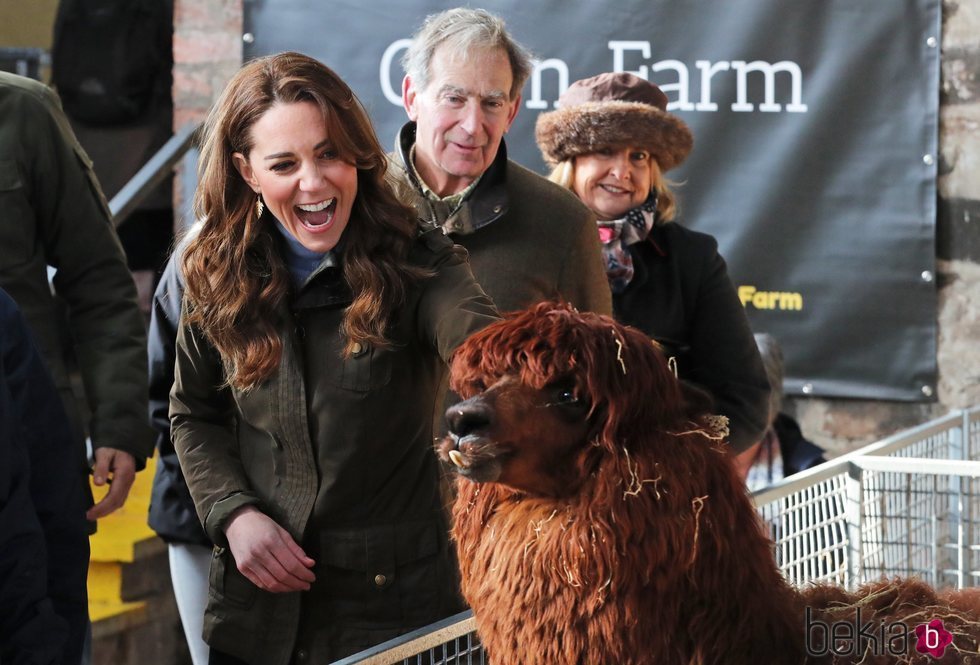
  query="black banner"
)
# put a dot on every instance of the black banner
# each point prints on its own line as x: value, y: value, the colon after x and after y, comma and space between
x: 814, y: 165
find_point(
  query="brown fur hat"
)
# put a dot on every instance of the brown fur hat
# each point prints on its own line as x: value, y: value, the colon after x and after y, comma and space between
x: 613, y: 110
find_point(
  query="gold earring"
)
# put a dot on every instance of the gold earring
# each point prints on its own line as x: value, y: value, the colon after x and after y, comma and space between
x: 259, y: 206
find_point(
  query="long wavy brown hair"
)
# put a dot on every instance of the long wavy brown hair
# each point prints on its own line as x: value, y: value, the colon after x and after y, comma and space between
x: 237, y: 281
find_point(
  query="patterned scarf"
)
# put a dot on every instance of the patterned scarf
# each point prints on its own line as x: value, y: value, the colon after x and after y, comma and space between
x: 617, y: 235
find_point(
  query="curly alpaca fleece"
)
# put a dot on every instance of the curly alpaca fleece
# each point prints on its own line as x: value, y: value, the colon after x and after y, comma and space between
x: 654, y: 554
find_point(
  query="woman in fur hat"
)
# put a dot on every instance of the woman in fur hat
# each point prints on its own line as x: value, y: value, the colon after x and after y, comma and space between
x: 611, y: 142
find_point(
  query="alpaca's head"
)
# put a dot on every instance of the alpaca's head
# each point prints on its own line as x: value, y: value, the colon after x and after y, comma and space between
x: 550, y: 391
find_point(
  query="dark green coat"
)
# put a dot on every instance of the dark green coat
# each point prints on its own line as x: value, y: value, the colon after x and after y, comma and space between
x: 52, y: 212
x: 532, y: 240
x: 339, y: 453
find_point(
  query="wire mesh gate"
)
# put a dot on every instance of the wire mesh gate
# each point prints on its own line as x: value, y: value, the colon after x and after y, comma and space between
x: 908, y: 505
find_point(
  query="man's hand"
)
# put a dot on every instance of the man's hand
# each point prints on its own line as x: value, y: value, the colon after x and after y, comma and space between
x: 118, y: 468
x: 266, y: 554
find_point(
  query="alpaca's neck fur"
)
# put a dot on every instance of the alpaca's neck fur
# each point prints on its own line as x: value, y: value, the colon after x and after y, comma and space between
x: 649, y: 562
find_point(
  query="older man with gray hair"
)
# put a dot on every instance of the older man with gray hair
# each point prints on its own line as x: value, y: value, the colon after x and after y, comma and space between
x: 528, y: 239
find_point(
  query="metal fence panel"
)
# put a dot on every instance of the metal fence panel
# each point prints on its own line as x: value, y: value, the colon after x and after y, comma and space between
x: 452, y: 641
x: 808, y: 529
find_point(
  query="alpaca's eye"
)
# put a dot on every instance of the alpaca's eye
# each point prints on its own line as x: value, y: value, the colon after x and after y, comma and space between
x: 566, y: 396
x: 570, y: 403
x: 563, y: 394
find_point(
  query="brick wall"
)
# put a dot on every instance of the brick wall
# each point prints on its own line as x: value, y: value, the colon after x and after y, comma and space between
x: 208, y: 49
x: 207, y: 52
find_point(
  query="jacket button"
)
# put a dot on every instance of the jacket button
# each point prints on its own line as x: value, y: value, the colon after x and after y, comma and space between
x: 380, y: 580
x: 496, y: 209
x: 356, y: 348
x: 301, y: 655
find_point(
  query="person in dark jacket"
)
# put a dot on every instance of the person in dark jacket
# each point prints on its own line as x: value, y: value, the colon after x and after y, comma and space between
x: 172, y: 514
x: 611, y: 142
x: 54, y: 214
x: 318, y: 320
x: 44, y: 548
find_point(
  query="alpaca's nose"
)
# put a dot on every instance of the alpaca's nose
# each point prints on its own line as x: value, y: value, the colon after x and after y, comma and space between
x: 467, y: 417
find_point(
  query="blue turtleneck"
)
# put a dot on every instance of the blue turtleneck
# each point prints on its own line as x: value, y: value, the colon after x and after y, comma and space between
x: 302, y: 262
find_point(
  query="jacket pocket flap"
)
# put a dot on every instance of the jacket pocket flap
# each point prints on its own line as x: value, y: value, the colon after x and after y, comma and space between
x: 379, y: 548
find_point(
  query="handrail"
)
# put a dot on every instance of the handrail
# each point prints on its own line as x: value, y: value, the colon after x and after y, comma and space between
x: 27, y: 61
x: 419, y: 641
x: 152, y: 174
x: 938, y: 467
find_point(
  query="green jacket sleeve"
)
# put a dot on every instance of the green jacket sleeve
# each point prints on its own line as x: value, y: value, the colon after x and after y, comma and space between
x: 453, y: 306
x: 202, y: 427
x: 92, y: 277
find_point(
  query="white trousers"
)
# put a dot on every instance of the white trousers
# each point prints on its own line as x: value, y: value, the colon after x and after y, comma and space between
x: 189, y: 573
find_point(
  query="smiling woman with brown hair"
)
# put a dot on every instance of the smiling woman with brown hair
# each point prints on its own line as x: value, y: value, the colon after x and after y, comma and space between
x: 222, y: 265
x: 318, y: 320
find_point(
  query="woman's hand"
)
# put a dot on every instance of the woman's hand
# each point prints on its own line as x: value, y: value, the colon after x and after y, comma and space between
x: 266, y: 554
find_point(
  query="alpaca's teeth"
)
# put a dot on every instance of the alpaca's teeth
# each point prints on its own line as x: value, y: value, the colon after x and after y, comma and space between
x: 456, y: 458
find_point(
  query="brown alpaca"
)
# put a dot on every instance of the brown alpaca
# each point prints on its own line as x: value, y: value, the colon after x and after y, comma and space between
x: 599, y: 519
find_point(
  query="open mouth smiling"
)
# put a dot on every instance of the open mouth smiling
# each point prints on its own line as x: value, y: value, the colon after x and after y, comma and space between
x: 317, y: 216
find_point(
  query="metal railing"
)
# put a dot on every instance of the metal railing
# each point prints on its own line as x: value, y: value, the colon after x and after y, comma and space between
x: 27, y: 62
x: 452, y: 640
x: 906, y: 505
x: 155, y: 171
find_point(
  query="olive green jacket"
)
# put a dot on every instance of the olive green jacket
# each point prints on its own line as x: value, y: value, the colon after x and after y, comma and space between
x: 52, y: 212
x: 531, y: 240
x: 339, y: 453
